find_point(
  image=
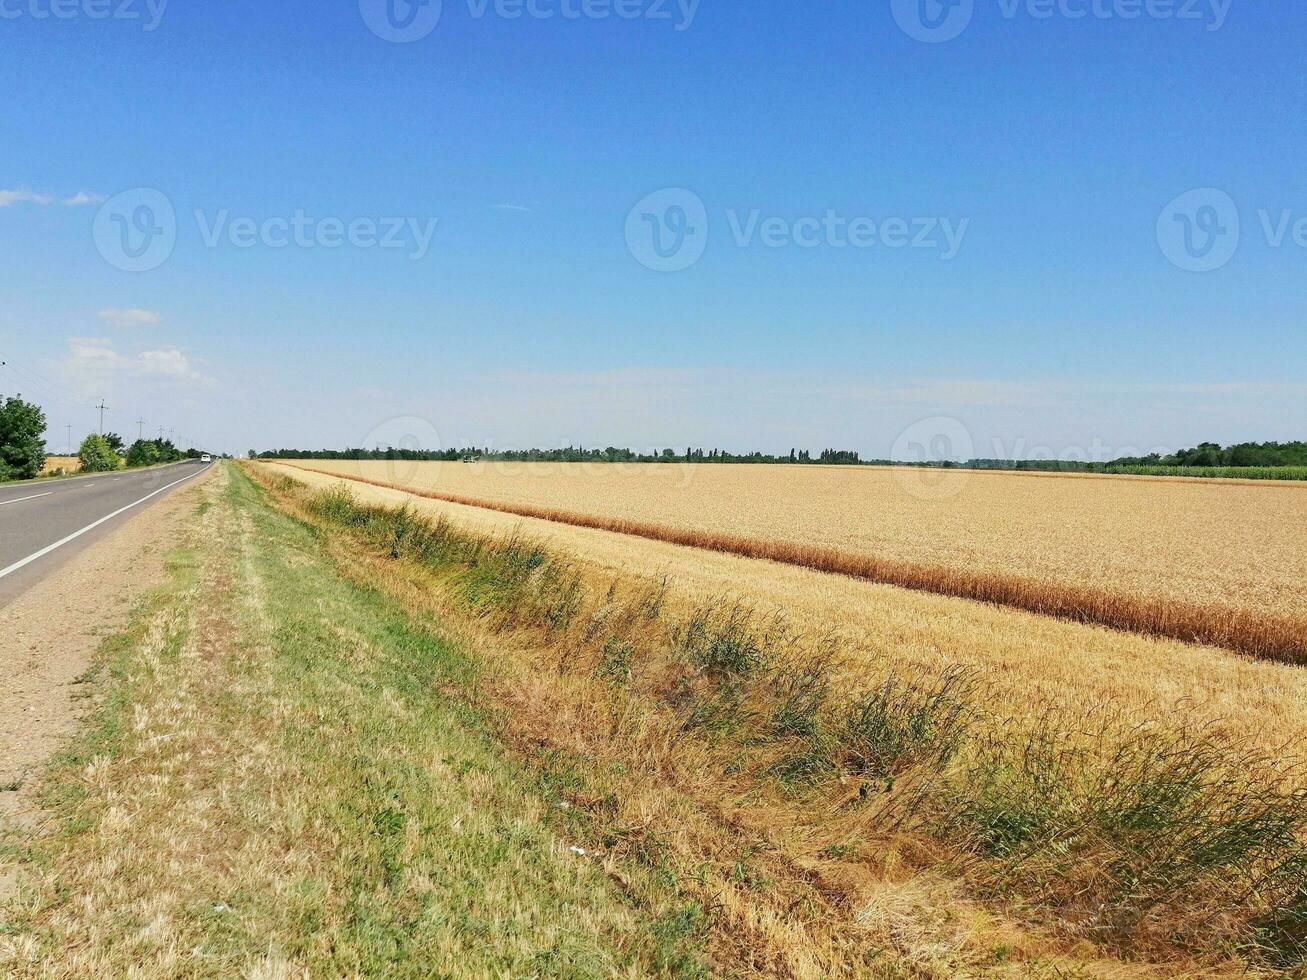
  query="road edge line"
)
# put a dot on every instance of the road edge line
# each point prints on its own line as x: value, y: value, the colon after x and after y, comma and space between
x: 36, y: 556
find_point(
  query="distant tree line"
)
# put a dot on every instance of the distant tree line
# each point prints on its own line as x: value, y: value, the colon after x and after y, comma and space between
x: 1207, y: 455
x: 1244, y: 454
x: 101, y: 454
x: 572, y: 454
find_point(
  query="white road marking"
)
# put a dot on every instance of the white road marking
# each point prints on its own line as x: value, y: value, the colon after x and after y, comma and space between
x: 90, y: 527
x: 21, y: 499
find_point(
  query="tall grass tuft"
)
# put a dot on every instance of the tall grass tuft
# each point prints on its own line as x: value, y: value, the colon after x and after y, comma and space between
x: 724, y: 643
x: 1136, y: 832
x: 906, y: 724
x: 512, y: 580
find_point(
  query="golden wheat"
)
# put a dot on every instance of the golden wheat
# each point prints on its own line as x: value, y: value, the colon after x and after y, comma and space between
x: 1028, y: 684
x: 1040, y: 663
x: 1182, y: 598
x: 69, y: 464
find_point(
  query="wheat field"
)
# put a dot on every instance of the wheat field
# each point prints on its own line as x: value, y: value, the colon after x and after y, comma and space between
x: 1080, y: 716
x: 69, y: 464
x: 1039, y: 661
x: 1209, y: 562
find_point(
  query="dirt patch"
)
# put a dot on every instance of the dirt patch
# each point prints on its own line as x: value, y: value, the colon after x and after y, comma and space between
x: 51, y: 634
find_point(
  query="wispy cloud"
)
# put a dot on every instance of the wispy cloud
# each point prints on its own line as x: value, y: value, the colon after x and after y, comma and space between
x: 20, y: 196
x: 130, y: 318
x: 512, y: 207
x: 24, y: 195
x: 94, y: 359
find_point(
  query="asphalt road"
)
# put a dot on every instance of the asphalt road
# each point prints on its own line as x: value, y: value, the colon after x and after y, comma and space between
x: 44, y: 523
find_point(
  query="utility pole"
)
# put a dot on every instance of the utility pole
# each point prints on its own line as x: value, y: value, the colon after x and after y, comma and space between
x: 161, y: 433
x: 70, y: 439
x: 103, y: 408
x: 140, y: 429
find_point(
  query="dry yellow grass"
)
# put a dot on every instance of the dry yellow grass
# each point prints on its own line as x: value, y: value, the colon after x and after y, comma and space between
x: 69, y: 464
x: 1038, y: 661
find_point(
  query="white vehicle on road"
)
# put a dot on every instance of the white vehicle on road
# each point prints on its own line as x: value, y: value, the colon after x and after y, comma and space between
x: 206, y: 458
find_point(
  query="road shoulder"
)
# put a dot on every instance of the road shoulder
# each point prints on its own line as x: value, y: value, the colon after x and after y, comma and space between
x: 52, y: 631
x: 283, y: 779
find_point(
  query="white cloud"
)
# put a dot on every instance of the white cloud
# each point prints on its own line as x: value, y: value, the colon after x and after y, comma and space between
x: 23, y: 195
x: 129, y: 318
x: 94, y: 361
x: 92, y: 349
x: 512, y: 207
x: 170, y: 363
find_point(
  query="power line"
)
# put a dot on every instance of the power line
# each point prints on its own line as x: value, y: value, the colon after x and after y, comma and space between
x: 23, y: 382
x: 26, y: 379
x: 56, y: 388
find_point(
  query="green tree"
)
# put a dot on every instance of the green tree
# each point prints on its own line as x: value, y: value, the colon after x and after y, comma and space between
x: 22, y: 450
x: 97, y: 455
x: 115, y: 442
x: 143, y: 452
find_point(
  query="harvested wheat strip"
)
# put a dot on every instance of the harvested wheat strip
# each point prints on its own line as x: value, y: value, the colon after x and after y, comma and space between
x: 1280, y: 639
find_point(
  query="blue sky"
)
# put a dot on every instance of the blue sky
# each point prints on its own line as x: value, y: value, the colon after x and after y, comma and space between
x: 1052, y: 145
